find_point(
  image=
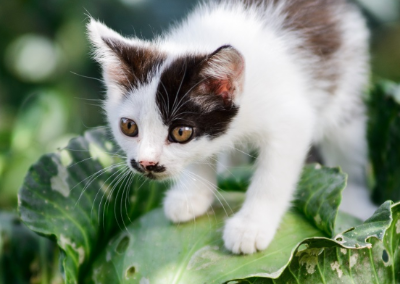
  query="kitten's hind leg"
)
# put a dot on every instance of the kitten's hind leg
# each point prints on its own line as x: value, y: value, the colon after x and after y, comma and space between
x: 193, y: 194
x: 346, y: 146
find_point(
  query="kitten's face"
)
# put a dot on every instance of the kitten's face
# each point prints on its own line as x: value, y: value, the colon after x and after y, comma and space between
x: 155, y: 147
x: 166, y: 111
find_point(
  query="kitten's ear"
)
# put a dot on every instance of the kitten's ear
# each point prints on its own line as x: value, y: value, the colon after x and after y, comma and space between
x: 125, y: 62
x: 224, y: 73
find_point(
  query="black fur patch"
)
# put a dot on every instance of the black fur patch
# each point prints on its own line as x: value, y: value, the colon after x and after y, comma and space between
x: 136, y: 166
x: 182, y: 101
x: 138, y: 64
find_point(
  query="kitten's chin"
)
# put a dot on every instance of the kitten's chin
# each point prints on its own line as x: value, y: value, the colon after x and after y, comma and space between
x: 152, y: 176
x: 158, y: 177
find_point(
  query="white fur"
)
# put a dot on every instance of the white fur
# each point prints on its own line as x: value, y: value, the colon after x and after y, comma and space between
x: 283, y: 110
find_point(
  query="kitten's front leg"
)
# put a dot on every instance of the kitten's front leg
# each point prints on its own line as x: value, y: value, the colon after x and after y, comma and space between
x: 192, y: 195
x: 268, y: 197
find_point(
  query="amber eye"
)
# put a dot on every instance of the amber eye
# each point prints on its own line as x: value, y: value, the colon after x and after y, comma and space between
x: 181, y: 134
x: 129, y: 127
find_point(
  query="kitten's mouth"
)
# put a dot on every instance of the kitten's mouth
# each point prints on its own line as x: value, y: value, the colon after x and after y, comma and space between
x: 151, y: 175
x: 156, y: 173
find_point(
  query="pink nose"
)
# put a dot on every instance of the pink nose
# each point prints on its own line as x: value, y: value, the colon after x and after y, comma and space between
x: 147, y: 163
x: 149, y: 166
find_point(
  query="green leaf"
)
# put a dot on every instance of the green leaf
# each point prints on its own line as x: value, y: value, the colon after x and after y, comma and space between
x: 384, y: 140
x: 194, y: 252
x: 318, y: 195
x: 326, y: 261
x: 24, y: 256
x: 374, y: 227
x: 153, y: 250
x: 78, y: 198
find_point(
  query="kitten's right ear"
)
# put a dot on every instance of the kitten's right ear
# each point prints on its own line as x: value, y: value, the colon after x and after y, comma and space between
x: 125, y: 62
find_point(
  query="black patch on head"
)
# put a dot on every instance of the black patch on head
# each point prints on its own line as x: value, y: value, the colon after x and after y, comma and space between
x: 183, y: 101
x: 138, y: 64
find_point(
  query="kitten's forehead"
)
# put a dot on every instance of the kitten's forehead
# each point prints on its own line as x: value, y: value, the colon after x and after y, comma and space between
x: 141, y: 101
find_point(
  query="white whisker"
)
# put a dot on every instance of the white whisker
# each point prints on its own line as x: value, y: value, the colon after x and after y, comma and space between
x: 188, y: 92
x: 116, y: 182
x: 180, y: 85
x: 214, y: 189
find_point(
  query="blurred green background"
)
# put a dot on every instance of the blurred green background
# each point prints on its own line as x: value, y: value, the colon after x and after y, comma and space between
x: 47, y: 90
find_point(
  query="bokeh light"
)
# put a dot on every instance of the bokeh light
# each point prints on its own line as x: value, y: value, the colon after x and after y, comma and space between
x: 385, y: 10
x: 33, y: 58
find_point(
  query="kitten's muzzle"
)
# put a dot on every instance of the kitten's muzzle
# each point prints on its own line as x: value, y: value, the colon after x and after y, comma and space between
x: 146, y: 167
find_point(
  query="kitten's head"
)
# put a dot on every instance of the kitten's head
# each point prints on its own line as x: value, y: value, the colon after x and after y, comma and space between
x: 166, y: 110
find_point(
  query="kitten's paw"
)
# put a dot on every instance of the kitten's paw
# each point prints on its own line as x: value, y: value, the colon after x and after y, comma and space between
x: 181, y: 207
x: 246, y: 235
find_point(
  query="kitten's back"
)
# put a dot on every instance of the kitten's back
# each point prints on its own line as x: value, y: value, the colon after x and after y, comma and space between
x: 331, y: 35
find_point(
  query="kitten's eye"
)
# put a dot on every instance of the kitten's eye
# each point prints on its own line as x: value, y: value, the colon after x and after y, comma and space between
x: 181, y: 134
x: 129, y: 127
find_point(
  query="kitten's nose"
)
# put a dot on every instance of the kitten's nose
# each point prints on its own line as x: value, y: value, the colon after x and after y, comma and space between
x: 148, y: 165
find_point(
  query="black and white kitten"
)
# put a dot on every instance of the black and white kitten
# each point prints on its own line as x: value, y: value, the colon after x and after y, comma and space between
x: 278, y: 74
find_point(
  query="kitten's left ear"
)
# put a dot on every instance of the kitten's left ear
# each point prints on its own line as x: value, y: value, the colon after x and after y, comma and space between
x: 224, y: 73
x: 125, y: 62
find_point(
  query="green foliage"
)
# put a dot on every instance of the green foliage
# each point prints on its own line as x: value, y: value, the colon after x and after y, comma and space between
x: 376, y: 259
x: 154, y: 249
x: 77, y: 197
x: 24, y: 256
x: 40, y: 126
x: 194, y: 252
x: 318, y: 196
x: 384, y: 140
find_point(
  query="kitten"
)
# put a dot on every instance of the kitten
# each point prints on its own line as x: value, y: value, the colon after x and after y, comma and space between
x: 278, y: 74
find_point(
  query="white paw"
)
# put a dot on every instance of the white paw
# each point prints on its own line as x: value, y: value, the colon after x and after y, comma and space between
x: 181, y: 206
x: 247, y: 235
